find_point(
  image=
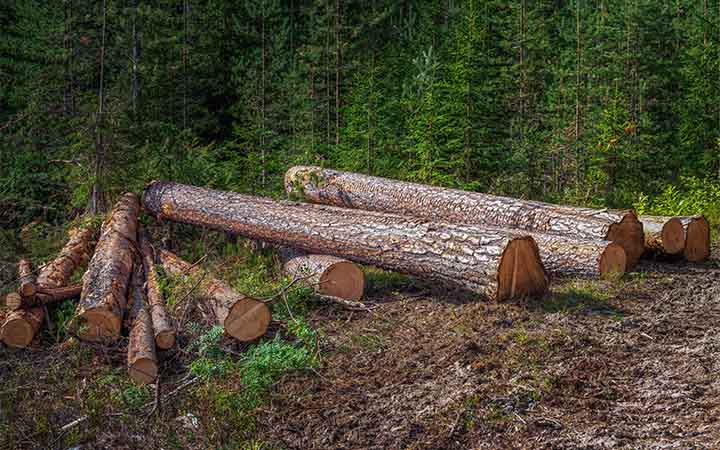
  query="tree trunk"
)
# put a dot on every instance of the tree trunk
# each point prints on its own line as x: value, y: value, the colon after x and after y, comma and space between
x: 497, y: 263
x: 76, y: 252
x: 162, y: 322
x: 43, y: 297
x: 564, y: 257
x: 242, y: 317
x: 141, y: 358
x: 21, y: 325
x: 677, y: 236
x: 353, y: 190
x: 27, y: 279
x: 105, y: 284
x: 327, y: 275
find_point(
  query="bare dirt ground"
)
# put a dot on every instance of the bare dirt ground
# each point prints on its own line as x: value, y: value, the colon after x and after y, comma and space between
x: 610, y: 365
x: 630, y: 364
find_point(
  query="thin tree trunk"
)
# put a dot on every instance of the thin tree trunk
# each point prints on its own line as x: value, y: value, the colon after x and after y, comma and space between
x: 28, y: 282
x: 69, y: 47
x: 338, y: 64
x: 262, y: 101
x: 96, y: 203
x: 578, y: 58
x: 498, y: 263
x: 141, y: 357
x: 186, y: 49
x: 76, y: 252
x: 135, y: 62
x: 164, y: 329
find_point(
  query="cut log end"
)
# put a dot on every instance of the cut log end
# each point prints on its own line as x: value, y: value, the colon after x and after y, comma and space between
x: 165, y: 340
x: 344, y: 280
x: 143, y: 370
x: 521, y: 272
x: 98, y: 325
x: 613, y: 261
x: 13, y: 301
x: 629, y: 234
x: 21, y: 326
x: 248, y: 319
x: 27, y: 289
x: 673, y: 236
x: 697, y: 246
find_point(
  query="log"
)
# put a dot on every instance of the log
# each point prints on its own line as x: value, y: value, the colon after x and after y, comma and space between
x: 13, y: 301
x: 564, y: 257
x: 677, y: 236
x: 352, y: 190
x: 21, y: 325
x: 141, y: 357
x: 242, y: 317
x: 76, y: 252
x: 27, y: 279
x: 162, y: 322
x: 105, y: 284
x: 50, y: 296
x: 498, y: 263
x: 327, y: 275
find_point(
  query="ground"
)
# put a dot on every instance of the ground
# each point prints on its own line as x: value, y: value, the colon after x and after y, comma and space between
x: 620, y: 364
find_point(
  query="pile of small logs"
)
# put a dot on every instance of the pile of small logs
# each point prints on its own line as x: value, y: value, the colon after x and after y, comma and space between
x: 499, y: 247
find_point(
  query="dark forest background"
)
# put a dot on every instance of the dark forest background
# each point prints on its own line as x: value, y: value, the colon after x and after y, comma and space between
x: 594, y: 102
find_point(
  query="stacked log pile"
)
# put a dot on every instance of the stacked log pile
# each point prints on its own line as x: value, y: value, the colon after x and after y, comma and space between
x: 499, y: 247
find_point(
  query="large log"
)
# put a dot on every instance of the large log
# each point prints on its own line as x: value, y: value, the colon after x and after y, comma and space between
x: 498, y: 263
x: 21, y: 325
x: 141, y: 357
x: 327, y: 275
x: 28, y: 285
x: 76, y: 252
x: 104, y: 295
x: 677, y: 236
x: 162, y: 322
x: 352, y: 190
x: 242, y: 317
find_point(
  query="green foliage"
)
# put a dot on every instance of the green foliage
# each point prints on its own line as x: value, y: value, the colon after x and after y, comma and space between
x: 690, y: 196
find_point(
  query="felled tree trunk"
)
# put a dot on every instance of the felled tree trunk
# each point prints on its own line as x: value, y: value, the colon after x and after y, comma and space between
x: 141, y: 357
x: 76, y: 252
x: 105, y: 284
x: 581, y: 258
x: 21, y: 325
x: 352, y: 190
x: 677, y: 236
x: 327, y: 275
x: 28, y: 284
x: 162, y: 322
x: 43, y: 297
x: 497, y: 263
x: 242, y: 317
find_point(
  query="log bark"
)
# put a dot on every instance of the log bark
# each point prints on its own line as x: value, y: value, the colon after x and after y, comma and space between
x: 21, y: 325
x: 28, y: 285
x: 574, y: 258
x: 141, y: 357
x: 687, y: 237
x: 242, y: 317
x: 105, y: 284
x: 76, y: 252
x: 352, y: 190
x: 498, y: 263
x: 327, y: 275
x: 163, y: 325
x: 44, y: 297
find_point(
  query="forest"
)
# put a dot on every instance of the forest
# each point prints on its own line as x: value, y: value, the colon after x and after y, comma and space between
x: 335, y: 224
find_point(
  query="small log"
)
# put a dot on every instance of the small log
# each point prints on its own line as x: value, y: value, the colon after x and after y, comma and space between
x: 162, y: 322
x: 105, y: 284
x: 50, y: 296
x: 76, y: 252
x: 354, y: 190
x: 21, y: 325
x: 141, y: 357
x: 697, y: 238
x: 581, y: 259
x: 499, y: 263
x: 677, y: 236
x: 28, y: 284
x: 327, y: 275
x: 13, y: 301
x: 242, y: 317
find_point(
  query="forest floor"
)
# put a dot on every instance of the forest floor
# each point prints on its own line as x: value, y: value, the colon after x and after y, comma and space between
x: 624, y: 364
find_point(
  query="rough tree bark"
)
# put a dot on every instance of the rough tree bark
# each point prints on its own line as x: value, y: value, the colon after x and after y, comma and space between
x: 497, y: 263
x: 43, y: 297
x: 76, y: 252
x: 162, y: 322
x: 104, y: 295
x: 242, y: 317
x: 141, y: 357
x: 353, y: 190
x: 677, y: 236
x: 28, y: 285
x: 327, y: 275
x: 564, y: 257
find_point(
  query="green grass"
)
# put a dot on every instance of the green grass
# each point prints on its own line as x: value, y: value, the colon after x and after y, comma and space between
x: 581, y: 296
